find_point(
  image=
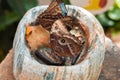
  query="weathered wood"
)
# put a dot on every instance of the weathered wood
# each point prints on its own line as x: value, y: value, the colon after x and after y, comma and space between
x: 27, y: 68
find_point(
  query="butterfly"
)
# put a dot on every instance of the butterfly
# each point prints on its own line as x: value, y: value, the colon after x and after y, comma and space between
x: 67, y: 39
x: 64, y: 34
x: 56, y: 10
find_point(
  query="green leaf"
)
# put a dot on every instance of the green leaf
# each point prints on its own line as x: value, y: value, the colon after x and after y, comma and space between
x: 21, y: 6
x: 114, y: 13
x: 106, y: 22
x: 7, y: 19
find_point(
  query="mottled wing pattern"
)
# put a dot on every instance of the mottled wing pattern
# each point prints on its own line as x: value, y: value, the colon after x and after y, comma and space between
x: 67, y: 39
x: 51, y: 14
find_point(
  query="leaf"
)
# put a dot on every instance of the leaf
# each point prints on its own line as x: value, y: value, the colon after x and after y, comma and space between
x: 7, y: 19
x: 104, y: 20
x: 21, y: 6
x: 114, y: 13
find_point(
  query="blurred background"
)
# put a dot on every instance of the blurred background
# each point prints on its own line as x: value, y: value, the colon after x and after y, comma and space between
x: 11, y: 11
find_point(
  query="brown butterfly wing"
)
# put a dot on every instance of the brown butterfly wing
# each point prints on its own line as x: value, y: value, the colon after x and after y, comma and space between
x: 54, y: 8
x: 63, y: 42
x: 46, y: 19
x: 51, y: 14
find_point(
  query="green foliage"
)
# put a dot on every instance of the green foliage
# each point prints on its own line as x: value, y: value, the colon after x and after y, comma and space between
x: 21, y: 6
x: 110, y: 19
x: 114, y: 13
x: 104, y: 20
x: 8, y: 19
x: 12, y: 11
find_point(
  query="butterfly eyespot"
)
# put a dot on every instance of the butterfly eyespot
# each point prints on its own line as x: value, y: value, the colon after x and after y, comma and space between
x: 62, y: 41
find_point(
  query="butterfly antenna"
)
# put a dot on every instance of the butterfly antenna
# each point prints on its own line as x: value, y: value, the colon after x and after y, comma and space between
x: 62, y: 6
